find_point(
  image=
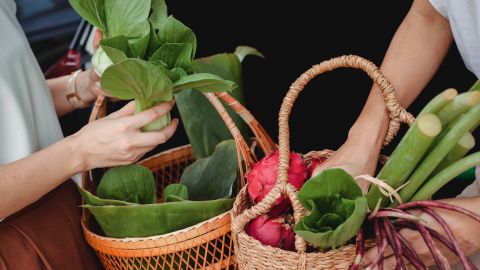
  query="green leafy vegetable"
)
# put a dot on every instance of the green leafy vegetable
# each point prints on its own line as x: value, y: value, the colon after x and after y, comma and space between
x: 175, y: 192
x: 242, y: 51
x: 159, y: 13
x: 138, y: 36
x: 203, y: 125
x: 174, y: 31
x: 337, y: 209
x: 131, y: 183
x: 174, y: 55
x: 140, y: 80
x: 212, y: 177
x: 204, y: 82
x: 154, y: 219
x: 91, y: 199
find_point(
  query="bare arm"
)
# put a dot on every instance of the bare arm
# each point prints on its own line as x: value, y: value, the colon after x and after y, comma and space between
x: 114, y: 140
x: 414, y: 55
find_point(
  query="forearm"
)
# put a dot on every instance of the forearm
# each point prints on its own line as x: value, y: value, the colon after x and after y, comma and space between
x: 58, y: 89
x: 28, y: 179
x: 414, y: 55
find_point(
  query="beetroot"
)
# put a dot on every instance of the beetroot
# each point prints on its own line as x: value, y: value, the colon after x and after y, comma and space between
x: 314, y: 163
x: 272, y: 231
x: 261, y: 179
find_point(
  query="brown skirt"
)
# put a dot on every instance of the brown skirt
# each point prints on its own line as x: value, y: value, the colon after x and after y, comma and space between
x: 47, y: 235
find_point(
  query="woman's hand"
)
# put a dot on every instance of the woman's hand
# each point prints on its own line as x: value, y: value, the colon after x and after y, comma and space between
x: 359, y: 154
x: 464, y: 228
x: 355, y: 158
x: 117, y: 139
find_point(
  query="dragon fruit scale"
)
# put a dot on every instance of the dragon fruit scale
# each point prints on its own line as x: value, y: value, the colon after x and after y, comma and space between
x: 272, y: 231
x: 261, y: 179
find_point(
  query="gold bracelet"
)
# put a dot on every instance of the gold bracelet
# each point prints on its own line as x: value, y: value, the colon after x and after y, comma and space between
x: 72, y: 94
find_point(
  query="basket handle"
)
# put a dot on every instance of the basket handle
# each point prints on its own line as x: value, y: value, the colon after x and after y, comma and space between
x: 397, y: 115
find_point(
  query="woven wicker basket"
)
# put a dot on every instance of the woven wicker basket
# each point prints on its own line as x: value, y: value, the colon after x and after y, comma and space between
x: 250, y: 253
x: 207, y: 245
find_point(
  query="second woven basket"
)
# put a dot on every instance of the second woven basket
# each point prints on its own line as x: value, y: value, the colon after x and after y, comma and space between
x: 250, y: 253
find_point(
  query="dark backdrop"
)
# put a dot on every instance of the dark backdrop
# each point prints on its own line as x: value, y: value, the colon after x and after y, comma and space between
x: 300, y: 34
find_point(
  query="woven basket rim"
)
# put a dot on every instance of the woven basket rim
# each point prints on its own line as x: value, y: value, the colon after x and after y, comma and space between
x: 165, y: 152
x: 157, y: 237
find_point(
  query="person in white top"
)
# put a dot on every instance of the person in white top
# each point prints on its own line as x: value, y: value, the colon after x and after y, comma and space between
x: 414, y: 55
x: 35, y: 159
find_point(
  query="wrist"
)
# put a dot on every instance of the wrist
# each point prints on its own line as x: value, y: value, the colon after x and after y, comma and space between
x: 78, y: 159
x: 84, y: 86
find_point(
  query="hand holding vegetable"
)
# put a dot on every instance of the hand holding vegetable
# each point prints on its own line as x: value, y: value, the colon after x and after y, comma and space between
x: 465, y: 231
x: 117, y: 139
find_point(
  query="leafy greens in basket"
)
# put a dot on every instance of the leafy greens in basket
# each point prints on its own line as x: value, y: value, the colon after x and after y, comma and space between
x: 337, y: 209
x: 145, y: 55
x: 126, y: 203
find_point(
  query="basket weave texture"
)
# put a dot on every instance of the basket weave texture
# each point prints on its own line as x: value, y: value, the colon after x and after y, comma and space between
x: 250, y: 253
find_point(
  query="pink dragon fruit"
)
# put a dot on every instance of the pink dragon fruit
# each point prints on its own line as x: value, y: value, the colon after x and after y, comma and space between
x: 275, y: 232
x: 261, y: 179
x: 314, y: 163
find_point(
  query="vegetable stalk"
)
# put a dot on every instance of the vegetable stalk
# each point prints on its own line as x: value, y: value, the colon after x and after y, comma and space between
x: 437, y: 154
x: 446, y: 175
x: 142, y: 105
x: 403, y: 160
x: 475, y: 86
x: 459, y: 105
x: 466, y: 143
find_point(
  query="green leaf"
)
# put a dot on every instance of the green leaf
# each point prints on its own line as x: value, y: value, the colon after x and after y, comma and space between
x: 328, y: 184
x: 329, y: 220
x: 116, y: 48
x: 131, y: 183
x: 177, y: 191
x: 139, y: 46
x: 174, y: 55
x: 127, y: 17
x: 155, y: 219
x: 203, y: 125
x: 137, y: 79
x: 212, y: 177
x: 174, y: 31
x: 154, y: 42
x: 242, y: 51
x: 337, y: 209
x: 96, y: 201
x: 204, y: 82
x: 159, y: 13
x: 92, y: 10
x: 338, y: 236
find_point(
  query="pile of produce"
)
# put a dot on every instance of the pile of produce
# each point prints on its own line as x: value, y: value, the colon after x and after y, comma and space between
x: 434, y: 151
x: 126, y: 204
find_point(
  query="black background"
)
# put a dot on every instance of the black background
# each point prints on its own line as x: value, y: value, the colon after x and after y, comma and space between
x: 297, y: 35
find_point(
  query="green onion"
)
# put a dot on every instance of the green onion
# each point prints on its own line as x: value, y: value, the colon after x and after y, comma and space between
x: 466, y: 143
x: 446, y: 175
x: 439, y: 152
x: 459, y: 105
x: 403, y: 160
